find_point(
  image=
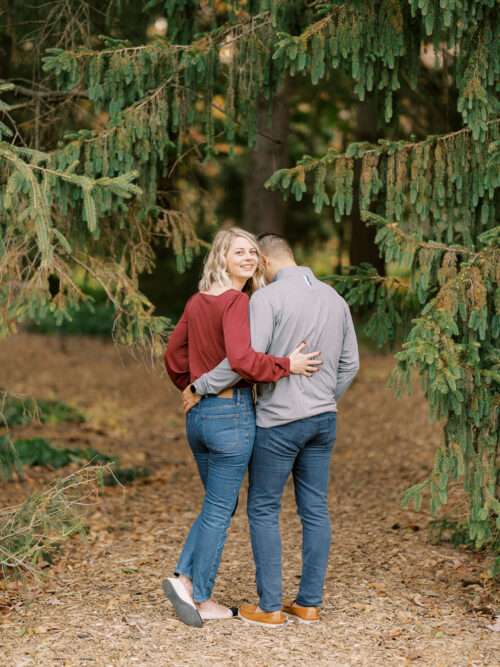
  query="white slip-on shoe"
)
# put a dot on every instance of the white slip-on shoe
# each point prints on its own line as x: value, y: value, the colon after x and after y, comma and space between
x: 182, y: 602
x: 218, y: 616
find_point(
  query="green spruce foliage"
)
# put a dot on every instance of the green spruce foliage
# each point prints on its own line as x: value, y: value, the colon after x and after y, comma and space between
x: 437, y: 204
x: 93, y: 201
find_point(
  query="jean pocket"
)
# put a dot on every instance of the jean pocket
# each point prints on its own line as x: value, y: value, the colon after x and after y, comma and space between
x: 327, y: 428
x: 223, y: 434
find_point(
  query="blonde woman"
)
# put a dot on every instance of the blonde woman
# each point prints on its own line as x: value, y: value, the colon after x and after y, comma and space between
x: 220, y: 429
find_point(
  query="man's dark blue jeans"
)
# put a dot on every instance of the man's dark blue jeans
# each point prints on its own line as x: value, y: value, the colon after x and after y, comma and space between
x: 303, y: 448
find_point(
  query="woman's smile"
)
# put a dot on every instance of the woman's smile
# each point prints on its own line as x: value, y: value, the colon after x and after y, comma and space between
x: 242, y: 261
x: 249, y: 267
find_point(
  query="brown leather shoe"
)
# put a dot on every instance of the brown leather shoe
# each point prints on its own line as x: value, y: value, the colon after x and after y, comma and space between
x: 302, y: 614
x: 269, y: 619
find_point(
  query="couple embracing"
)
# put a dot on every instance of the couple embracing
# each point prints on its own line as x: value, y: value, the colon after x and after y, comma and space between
x: 255, y: 314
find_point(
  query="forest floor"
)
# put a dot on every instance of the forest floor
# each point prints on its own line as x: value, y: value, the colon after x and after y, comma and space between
x: 392, y: 597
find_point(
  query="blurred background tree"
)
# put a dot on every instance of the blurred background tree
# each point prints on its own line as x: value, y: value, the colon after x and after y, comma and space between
x: 129, y: 135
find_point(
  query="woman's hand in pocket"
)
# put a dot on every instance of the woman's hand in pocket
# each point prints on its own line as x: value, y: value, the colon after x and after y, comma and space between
x: 189, y: 400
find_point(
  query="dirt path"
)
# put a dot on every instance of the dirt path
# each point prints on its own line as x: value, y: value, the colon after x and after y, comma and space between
x: 392, y: 598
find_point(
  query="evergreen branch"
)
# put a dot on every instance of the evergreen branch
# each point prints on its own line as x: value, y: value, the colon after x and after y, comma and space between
x: 360, y: 150
x: 390, y: 282
x: 127, y: 114
x: 388, y: 301
x: 63, y: 63
x: 80, y: 54
x: 139, y: 108
x: 233, y: 119
x: 411, y: 240
x: 351, y: 31
x: 220, y: 35
x: 320, y: 25
x: 189, y: 150
x: 120, y: 183
x: 418, y: 184
x: 30, y: 531
x: 30, y: 92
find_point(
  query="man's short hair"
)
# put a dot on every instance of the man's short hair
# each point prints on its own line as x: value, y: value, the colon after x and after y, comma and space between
x: 274, y: 244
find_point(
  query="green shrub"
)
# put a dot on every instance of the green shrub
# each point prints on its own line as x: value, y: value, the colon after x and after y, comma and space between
x: 39, y: 452
x: 19, y: 412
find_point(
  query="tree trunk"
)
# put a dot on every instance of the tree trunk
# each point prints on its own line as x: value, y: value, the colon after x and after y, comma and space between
x: 6, y: 40
x: 362, y: 244
x: 263, y: 210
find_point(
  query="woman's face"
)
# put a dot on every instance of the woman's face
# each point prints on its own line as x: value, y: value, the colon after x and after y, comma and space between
x: 242, y: 259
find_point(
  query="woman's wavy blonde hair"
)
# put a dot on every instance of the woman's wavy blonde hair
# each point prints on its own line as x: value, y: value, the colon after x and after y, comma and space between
x: 215, y: 267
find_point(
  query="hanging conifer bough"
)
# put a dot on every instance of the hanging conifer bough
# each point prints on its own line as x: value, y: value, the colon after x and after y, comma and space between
x: 435, y: 202
x: 436, y: 206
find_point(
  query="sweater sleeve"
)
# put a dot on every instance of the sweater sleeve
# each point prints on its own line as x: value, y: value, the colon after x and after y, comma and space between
x: 244, y: 360
x: 176, y: 354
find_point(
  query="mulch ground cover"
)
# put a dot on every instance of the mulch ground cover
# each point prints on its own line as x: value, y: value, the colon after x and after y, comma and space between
x: 392, y: 596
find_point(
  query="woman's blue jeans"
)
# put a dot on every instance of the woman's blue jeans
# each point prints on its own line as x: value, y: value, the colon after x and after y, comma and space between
x: 221, y: 434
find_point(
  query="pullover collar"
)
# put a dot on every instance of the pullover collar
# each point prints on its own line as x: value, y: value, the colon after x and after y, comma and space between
x: 291, y: 271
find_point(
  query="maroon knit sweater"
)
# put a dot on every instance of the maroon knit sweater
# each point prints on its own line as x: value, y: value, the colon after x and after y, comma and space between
x: 212, y: 328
